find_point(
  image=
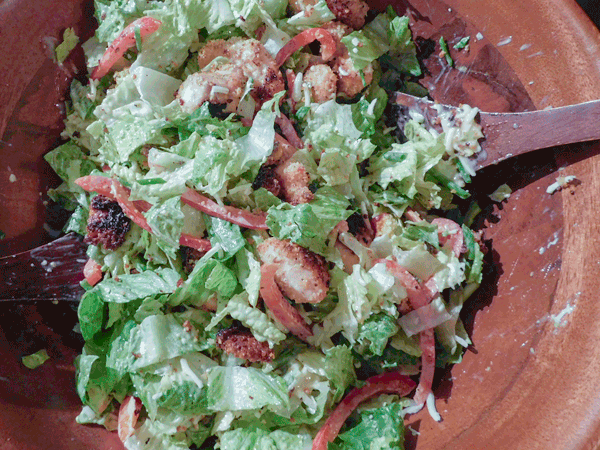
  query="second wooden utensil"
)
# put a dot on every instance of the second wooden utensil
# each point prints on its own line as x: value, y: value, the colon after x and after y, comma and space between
x: 512, y: 134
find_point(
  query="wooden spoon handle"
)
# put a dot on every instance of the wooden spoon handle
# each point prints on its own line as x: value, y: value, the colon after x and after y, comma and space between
x: 512, y: 134
x: 50, y: 272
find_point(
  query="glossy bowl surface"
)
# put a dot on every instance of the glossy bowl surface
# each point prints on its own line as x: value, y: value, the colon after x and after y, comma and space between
x: 531, y: 379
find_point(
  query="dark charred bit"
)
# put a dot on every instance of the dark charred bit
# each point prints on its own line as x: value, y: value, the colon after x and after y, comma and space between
x: 363, y: 168
x: 267, y: 178
x: 241, y: 343
x: 349, y: 12
x: 218, y: 110
x: 190, y: 257
x: 425, y: 47
x: 358, y: 227
x: 273, y: 83
x: 107, y: 224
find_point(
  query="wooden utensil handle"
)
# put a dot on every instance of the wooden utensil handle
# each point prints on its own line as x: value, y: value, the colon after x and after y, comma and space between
x: 52, y: 271
x: 511, y: 134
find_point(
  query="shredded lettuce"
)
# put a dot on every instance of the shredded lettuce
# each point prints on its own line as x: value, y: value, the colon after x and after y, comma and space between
x: 36, y: 359
x: 156, y: 325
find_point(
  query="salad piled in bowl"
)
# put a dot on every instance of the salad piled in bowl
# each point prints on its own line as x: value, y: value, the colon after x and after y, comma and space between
x: 271, y: 262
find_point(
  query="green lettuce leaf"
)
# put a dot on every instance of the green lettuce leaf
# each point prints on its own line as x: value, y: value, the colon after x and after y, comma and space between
x: 376, y: 331
x: 209, y: 277
x: 244, y: 388
x: 309, y: 224
x: 70, y: 162
x: 137, y: 286
x: 36, y: 359
x: 178, y: 385
x: 166, y: 221
x: 70, y: 41
x: 239, y: 308
x: 339, y: 368
x: 380, y: 428
x: 156, y: 339
x: 254, y: 438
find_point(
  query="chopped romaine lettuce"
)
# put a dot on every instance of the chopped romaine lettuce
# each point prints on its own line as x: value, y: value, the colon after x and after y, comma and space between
x: 154, y: 325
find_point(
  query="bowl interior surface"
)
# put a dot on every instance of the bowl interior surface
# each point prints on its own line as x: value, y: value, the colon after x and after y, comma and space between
x: 525, y: 381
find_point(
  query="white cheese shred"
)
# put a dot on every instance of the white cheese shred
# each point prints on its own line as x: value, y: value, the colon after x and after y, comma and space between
x: 190, y: 373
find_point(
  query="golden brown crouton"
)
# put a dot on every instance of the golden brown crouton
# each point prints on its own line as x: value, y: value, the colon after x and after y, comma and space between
x: 282, y: 151
x: 322, y: 82
x: 223, y: 85
x: 295, y: 181
x: 351, y: 81
x: 225, y: 82
x: 302, y: 275
x: 241, y: 343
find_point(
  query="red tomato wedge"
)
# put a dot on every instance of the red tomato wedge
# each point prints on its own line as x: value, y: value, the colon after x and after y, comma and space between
x: 92, y: 271
x: 285, y: 313
x: 123, y: 42
x: 116, y: 191
x: 387, y: 383
x: 328, y: 44
x: 238, y: 216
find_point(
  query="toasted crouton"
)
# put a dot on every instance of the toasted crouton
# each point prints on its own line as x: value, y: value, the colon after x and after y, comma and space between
x: 302, y: 275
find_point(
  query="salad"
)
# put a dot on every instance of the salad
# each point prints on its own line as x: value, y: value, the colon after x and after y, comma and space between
x: 271, y: 260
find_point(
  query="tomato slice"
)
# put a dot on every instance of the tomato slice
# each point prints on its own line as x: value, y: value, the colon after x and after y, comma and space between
x: 123, y: 42
x: 238, y: 216
x: 285, y: 313
x: 92, y: 271
x: 116, y: 191
x: 328, y: 44
x: 387, y: 383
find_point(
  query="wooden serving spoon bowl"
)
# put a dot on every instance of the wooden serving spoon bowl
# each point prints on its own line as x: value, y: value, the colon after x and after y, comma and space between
x: 530, y: 379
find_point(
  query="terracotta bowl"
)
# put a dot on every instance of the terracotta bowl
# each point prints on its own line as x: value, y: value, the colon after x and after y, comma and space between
x: 530, y: 381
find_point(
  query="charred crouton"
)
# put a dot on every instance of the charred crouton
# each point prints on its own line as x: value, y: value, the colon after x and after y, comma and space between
x: 359, y: 228
x: 302, y: 275
x: 295, y: 182
x: 267, y: 178
x: 241, y: 343
x: 190, y: 257
x: 107, y: 225
x: 350, y: 12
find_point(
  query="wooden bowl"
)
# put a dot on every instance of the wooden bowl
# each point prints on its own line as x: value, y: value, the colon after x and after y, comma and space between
x: 530, y: 380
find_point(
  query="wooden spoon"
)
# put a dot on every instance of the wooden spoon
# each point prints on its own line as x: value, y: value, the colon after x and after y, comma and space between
x: 49, y: 272
x: 54, y: 271
x: 512, y: 134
